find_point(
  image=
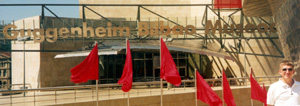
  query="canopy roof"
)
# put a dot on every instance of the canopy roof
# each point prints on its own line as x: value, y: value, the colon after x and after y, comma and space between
x: 114, y: 47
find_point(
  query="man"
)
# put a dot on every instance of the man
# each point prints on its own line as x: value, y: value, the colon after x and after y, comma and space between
x: 286, y: 91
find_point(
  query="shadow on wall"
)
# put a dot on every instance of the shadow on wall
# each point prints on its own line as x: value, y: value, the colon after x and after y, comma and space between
x: 207, y: 66
x: 263, y: 64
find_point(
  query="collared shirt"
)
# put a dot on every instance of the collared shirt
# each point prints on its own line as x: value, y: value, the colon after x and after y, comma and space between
x: 281, y: 94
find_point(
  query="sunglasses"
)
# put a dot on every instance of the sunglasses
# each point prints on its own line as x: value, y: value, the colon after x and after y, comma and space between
x: 287, y: 69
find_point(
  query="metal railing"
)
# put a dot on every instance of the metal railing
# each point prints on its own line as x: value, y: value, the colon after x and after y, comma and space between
x: 84, y: 93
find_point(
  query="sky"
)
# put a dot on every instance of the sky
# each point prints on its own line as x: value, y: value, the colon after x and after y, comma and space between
x: 9, y: 13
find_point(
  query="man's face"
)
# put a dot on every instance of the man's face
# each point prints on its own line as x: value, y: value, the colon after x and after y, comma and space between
x: 286, y: 72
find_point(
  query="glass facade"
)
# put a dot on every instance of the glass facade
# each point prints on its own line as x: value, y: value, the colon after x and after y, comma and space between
x: 145, y: 66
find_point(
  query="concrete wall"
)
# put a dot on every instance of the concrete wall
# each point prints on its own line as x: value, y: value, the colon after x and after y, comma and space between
x: 242, y: 97
x: 32, y: 59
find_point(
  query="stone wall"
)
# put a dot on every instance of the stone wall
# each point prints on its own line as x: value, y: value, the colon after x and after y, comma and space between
x: 287, y: 19
x: 262, y: 65
x: 56, y: 71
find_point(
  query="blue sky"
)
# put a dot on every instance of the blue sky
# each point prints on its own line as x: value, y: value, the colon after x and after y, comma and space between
x: 9, y: 13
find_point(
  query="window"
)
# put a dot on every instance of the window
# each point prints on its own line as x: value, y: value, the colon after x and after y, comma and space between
x: 4, y: 73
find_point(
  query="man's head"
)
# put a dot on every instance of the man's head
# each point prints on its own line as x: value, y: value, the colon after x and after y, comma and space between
x: 286, y: 69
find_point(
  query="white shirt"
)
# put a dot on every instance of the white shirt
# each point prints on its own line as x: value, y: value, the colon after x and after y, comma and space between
x: 281, y: 94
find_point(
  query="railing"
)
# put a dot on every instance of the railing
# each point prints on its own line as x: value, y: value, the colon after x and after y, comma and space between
x: 14, y: 86
x: 84, y: 93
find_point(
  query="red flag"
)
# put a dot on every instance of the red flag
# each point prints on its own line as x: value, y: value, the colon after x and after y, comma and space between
x: 265, y: 93
x: 126, y: 78
x: 228, y: 4
x: 205, y: 93
x: 227, y: 94
x: 264, y: 88
x: 257, y: 92
x: 168, y: 70
x: 88, y: 69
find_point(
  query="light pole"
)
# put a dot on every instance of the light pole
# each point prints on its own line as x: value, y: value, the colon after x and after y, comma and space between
x: 24, y: 39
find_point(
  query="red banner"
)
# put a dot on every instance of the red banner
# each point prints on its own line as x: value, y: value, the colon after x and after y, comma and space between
x: 227, y: 94
x: 126, y: 78
x: 266, y: 94
x: 257, y: 92
x: 205, y: 93
x: 88, y: 69
x: 168, y: 69
x: 227, y: 4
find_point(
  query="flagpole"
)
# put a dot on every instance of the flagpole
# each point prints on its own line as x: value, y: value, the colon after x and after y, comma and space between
x: 161, y: 85
x: 223, y: 87
x: 97, y: 92
x: 250, y: 85
x: 128, y: 96
x: 161, y: 93
x: 263, y: 89
x: 196, y: 87
x: 97, y: 83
